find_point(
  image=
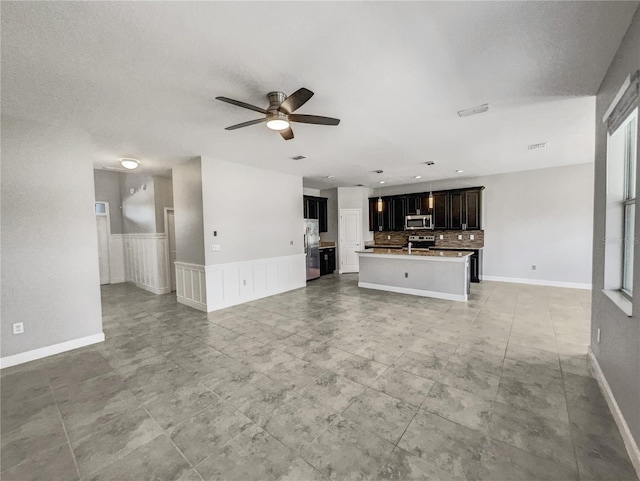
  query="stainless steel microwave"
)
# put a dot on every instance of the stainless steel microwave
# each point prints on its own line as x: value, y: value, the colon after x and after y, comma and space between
x: 418, y: 222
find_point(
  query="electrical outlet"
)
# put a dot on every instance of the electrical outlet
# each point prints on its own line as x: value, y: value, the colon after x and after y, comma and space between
x: 18, y: 328
x: 244, y: 282
x: 290, y: 243
x: 533, y: 267
x: 597, y: 336
x: 459, y: 236
x: 441, y: 236
x: 215, y: 247
x: 472, y: 237
x: 388, y: 237
x: 215, y: 233
x: 406, y: 275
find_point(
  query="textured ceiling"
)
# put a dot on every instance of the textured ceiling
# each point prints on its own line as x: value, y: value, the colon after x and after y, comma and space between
x: 139, y: 77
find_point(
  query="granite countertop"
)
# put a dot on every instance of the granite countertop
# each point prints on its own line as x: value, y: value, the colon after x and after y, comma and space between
x: 459, y: 248
x: 417, y: 252
x: 327, y: 245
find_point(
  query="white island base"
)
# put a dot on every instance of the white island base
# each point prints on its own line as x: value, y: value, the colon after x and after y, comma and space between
x: 429, y: 274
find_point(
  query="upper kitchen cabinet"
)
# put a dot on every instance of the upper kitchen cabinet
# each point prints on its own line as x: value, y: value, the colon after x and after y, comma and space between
x: 464, y: 209
x: 440, y: 212
x: 458, y: 209
x: 316, y: 208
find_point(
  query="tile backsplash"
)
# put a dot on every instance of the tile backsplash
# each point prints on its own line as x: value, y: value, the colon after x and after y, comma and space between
x: 450, y: 238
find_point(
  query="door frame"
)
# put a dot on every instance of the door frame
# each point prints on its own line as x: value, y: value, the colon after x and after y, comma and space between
x: 108, y: 216
x: 167, y: 245
x: 341, y: 254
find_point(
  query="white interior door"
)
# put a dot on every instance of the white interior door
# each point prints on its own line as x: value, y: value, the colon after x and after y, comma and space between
x: 350, y: 239
x: 103, y: 248
x: 171, y: 236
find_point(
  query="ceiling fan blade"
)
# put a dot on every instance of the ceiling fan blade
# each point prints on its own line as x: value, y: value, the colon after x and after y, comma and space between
x: 246, y: 124
x: 296, y: 100
x: 242, y: 104
x: 287, y: 134
x: 313, y: 119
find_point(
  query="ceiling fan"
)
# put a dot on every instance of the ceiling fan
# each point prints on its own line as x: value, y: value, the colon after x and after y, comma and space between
x: 280, y: 112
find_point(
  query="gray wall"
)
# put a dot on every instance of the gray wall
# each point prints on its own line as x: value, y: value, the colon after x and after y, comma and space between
x: 163, y: 196
x: 187, y: 204
x: 256, y: 212
x: 538, y: 217
x: 50, y: 278
x: 618, y: 352
x: 138, y: 208
x: 107, y: 187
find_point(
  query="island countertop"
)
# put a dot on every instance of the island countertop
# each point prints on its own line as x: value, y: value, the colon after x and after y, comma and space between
x: 418, y: 254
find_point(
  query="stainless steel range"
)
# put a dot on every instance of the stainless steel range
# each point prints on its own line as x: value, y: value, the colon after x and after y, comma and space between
x: 421, y: 241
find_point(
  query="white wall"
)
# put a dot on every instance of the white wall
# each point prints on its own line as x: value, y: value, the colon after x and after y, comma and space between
x: 187, y: 205
x: 257, y: 213
x: 138, y: 208
x: 107, y: 187
x: 258, y: 218
x: 163, y: 197
x: 538, y: 217
x: 357, y: 198
x: 50, y: 277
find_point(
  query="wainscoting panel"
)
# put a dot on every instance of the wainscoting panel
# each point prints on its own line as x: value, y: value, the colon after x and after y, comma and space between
x: 191, y: 285
x: 238, y: 282
x: 145, y: 261
x: 116, y: 259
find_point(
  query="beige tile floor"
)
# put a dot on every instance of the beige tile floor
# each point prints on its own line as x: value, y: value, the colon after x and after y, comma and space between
x: 327, y: 382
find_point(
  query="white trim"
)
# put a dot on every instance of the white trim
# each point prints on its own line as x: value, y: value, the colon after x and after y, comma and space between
x: 623, y: 427
x: 537, y: 282
x: 235, y: 283
x: 624, y: 304
x: 415, y: 292
x: 191, y: 303
x: 617, y: 98
x: 35, y: 354
x: 167, y: 246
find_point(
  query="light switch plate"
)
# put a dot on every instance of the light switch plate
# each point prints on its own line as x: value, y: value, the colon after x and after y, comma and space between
x: 459, y: 236
x: 215, y: 247
x: 441, y: 236
x: 472, y: 237
x: 18, y: 328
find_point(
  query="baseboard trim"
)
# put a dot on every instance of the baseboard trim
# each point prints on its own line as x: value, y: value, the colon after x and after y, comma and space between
x: 191, y: 303
x: 42, y: 352
x: 161, y: 290
x: 537, y: 282
x: 415, y: 292
x: 623, y: 427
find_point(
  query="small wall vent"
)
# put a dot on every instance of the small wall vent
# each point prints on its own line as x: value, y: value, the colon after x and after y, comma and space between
x: 299, y: 157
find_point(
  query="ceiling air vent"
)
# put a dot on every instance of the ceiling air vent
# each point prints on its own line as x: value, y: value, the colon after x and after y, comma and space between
x: 541, y: 145
x: 299, y: 157
x: 480, y: 109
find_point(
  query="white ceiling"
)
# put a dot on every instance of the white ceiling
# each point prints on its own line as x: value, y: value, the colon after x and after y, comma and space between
x: 139, y: 76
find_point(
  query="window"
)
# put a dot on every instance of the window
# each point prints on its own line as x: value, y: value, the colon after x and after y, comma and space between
x: 101, y: 208
x: 621, y: 205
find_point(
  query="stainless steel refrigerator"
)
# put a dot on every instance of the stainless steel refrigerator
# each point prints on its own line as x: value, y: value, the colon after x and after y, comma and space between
x: 312, y: 247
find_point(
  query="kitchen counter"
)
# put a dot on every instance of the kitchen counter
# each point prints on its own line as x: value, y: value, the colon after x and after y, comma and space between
x: 443, y: 274
x: 439, y: 254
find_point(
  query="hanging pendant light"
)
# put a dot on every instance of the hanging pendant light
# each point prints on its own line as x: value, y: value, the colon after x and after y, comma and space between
x: 379, y: 204
x: 430, y: 200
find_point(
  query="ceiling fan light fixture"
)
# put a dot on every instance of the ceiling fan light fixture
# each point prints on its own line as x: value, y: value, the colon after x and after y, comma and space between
x: 129, y: 163
x: 278, y: 124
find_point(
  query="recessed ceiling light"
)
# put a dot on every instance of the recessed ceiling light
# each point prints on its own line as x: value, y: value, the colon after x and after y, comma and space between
x: 129, y: 163
x: 473, y: 110
x: 382, y: 182
x: 378, y: 171
x: 417, y: 177
x: 459, y: 171
x: 330, y: 176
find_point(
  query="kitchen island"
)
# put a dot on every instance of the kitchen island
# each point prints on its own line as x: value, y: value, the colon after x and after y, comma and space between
x: 443, y: 274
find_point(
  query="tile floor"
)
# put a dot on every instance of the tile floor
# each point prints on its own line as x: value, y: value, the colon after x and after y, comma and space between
x: 330, y: 382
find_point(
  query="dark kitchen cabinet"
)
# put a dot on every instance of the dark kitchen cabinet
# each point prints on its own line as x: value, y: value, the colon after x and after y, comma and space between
x: 455, y: 210
x: 440, y: 210
x: 327, y: 261
x: 475, y: 264
x: 459, y: 209
x: 316, y: 208
x: 472, y: 209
